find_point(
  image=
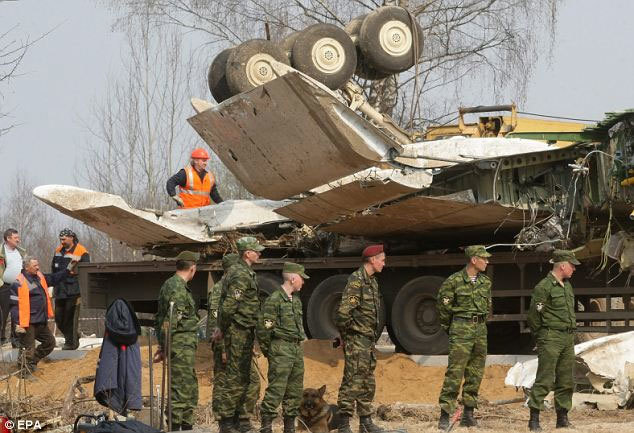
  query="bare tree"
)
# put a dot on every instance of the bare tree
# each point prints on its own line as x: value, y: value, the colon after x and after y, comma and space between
x: 487, y: 45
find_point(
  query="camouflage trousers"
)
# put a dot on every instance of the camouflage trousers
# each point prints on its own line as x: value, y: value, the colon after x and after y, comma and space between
x: 184, y: 383
x: 555, y: 363
x: 235, y: 384
x: 253, y: 391
x: 467, y: 356
x: 286, y: 378
x: 358, y: 384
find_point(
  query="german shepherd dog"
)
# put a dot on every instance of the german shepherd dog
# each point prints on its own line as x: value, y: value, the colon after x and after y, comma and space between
x: 315, y: 414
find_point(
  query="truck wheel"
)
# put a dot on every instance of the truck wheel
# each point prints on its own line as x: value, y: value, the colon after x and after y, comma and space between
x: 249, y: 64
x: 268, y: 283
x: 326, y: 53
x: 386, y: 39
x: 363, y: 69
x: 323, y: 305
x: 217, y: 77
x: 415, y: 320
x: 287, y: 43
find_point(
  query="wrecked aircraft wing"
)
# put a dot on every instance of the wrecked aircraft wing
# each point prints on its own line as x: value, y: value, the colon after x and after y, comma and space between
x: 289, y: 136
x: 140, y: 228
x: 353, y: 194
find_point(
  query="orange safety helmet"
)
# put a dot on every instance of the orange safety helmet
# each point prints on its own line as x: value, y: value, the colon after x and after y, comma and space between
x: 200, y: 153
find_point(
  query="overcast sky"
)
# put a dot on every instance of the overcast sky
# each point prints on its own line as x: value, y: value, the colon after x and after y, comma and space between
x: 591, y: 72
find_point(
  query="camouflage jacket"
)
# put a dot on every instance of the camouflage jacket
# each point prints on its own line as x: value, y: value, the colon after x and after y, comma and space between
x: 459, y: 297
x: 240, y: 301
x: 360, y: 303
x: 281, y: 317
x: 213, y: 301
x: 552, y: 305
x: 184, y: 327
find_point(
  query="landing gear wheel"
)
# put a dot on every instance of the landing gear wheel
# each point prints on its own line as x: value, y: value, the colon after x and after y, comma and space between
x: 267, y: 283
x: 249, y: 64
x: 386, y: 39
x: 217, y: 78
x: 415, y: 320
x: 324, y: 304
x: 326, y: 53
x: 363, y: 69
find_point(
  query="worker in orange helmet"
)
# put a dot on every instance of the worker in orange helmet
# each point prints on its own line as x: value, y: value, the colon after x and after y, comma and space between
x: 197, y: 186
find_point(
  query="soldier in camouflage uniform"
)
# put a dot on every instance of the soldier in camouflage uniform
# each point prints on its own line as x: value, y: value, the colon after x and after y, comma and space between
x: 357, y: 320
x: 552, y: 320
x: 463, y: 303
x: 237, y: 317
x: 220, y: 356
x: 184, y: 339
x: 280, y: 334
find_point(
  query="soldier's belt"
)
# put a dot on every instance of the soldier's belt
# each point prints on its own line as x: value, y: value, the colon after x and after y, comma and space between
x: 472, y: 319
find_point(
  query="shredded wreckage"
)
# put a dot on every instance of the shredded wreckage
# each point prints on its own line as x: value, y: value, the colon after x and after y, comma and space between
x: 341, y: 174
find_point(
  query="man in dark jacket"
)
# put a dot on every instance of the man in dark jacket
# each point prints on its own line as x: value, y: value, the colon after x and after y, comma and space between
x: 67, y: 293
x: 30, y: 310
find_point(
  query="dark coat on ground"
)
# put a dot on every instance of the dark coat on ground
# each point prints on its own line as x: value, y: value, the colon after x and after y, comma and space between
x: 118, y: 377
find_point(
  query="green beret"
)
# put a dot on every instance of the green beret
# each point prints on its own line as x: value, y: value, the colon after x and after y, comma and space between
x: 476, y: 251
x: 249, y: 243
x: 188, y: 256
x: 229, y: 260
x: 564, y: 256
x: 294, y: 268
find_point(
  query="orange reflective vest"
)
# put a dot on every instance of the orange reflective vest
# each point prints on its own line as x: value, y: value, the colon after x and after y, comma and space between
x: 76, y: 253
x: 195, y: 193
x: 24, y: 302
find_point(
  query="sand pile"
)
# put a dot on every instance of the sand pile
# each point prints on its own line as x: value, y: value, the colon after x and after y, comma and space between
x: 398, y: 378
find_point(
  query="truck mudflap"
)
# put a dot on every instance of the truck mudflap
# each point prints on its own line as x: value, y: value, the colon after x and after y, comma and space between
x: 289, y: 136
x: 110, y: 214
x: 354, y: 193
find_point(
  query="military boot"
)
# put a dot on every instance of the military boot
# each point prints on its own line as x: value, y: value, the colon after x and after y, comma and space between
x: 226, y: 426
x: 562, y: 419
x: 533, y: 422
x: 289, y: 424
x: 185, y: 427
x: 467, y: 419
x: 344, y: 424
x: 443, y: 422
x: 367, y: 426
x: 244, y: 425
x: 267, y: 424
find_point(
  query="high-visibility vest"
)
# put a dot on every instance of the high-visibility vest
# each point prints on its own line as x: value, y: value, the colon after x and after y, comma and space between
x: 24, y: 302
x: 75, y: 254
x: 195, y: 193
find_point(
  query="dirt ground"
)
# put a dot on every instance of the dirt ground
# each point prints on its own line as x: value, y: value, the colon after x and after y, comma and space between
x: 406, y: 394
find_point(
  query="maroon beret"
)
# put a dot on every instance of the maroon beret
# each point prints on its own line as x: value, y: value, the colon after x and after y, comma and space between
x: 372, y: 250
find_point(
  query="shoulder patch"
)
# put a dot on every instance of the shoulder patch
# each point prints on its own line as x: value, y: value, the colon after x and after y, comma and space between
x: 268, y: 324
x: 539, y: 306
x: 214, y: 314
x: 446, y: 300
x: 353, y: 300
x: 356, y: 284
x: 237, y: 294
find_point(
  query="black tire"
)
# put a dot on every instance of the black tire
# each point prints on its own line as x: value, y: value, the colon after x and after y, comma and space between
x: 363, y: 69
x: 287, y: 43
x: 217, y: 77
x: 386, y: 39
x: 326, y: 53
x: 415, y: 320
x: 323, y: 305
x: 268, y: 283
x: 248, y: 67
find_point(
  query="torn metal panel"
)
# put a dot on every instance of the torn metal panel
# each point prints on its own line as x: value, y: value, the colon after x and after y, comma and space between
x: 429, y: 216
x: 289, y: 136
x: 140, y: 229
x: 353, y: 194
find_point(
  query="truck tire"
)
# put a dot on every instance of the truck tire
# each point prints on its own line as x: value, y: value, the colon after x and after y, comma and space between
x: 326, y: 53
x: 267, y: 283
x: 249, y: 64
x: 363, y: 69
x: 323, y: 305
x: 415, y: 320
x: 386, y: 39
x: 217, y: 77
